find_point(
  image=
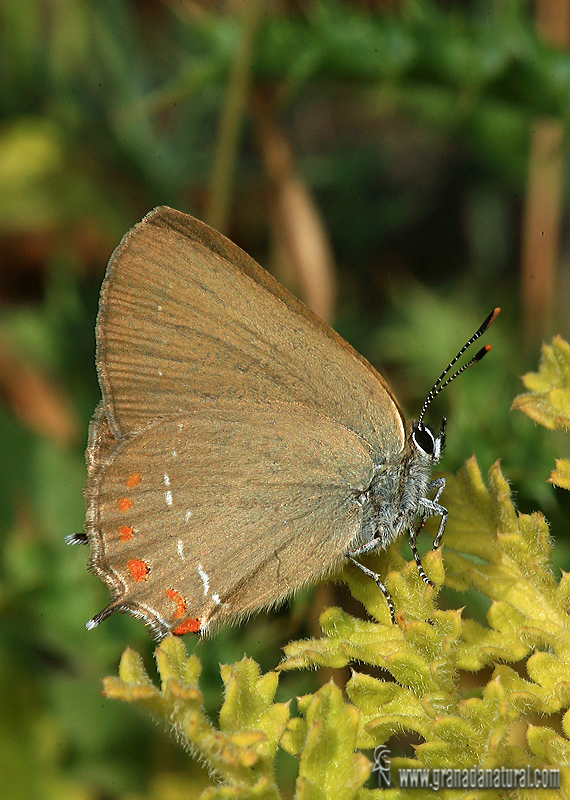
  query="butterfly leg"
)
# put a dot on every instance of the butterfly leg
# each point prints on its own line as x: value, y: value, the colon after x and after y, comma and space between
x: 374, y: 575
x: 417, y: 559
x: 433, y: 507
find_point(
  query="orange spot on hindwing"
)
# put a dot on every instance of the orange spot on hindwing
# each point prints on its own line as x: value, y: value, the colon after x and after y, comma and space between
x: 126, y: 533
x: 134, y: 480
x: 190, y: 626
x: 125, y: 503
x: 180, y: 602
x: 139, y: 569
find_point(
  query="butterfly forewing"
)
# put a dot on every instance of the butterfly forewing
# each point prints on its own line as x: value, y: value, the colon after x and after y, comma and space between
x: 185, y: 314
x: 225, y: 509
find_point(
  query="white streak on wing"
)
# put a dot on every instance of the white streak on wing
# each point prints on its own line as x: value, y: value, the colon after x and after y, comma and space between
x: 187, y: 516
x: 205, y: 579
x: 181, y: 550
x: 216, y: 599
x: 167, y: 494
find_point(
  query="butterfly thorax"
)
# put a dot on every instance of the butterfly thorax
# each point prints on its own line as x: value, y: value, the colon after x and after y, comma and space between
x: 398, y: 492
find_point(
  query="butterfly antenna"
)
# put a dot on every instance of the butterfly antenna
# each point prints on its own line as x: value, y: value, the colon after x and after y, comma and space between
x: 440, y: 383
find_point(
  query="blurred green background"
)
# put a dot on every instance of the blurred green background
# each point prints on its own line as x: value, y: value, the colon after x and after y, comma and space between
x: 402, y: 166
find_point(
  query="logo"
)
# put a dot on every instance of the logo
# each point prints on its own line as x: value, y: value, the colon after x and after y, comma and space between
x: 382, y: 766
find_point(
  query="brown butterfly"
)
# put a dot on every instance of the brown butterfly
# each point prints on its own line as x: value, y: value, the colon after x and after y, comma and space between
x: 242, y: 449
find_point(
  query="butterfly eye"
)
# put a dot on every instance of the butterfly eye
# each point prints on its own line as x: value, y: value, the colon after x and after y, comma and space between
x: 424, y: 439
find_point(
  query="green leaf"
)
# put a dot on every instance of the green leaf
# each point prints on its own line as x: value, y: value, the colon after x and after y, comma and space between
x: 329, y: 767
x: 548, y: 399
x: 561, y: 475
x: 249, y: 704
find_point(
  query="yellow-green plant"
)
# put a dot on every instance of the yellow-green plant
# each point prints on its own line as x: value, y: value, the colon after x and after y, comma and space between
x: 512, y: 713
